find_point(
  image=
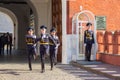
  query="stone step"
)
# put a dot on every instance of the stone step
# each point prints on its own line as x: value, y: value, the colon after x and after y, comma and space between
x: 110, y: 71
x: 81, y: 73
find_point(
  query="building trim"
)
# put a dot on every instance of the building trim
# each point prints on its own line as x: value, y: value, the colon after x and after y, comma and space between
x: 64, y: 35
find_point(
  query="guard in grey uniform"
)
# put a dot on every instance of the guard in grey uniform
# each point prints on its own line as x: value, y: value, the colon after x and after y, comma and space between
x: 44, y: 46
x: 88, y: 40
x: 54, y: 43
x: 31, y: 45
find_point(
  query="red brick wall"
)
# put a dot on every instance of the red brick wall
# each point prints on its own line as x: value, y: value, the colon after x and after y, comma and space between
x: 109, y: 47
x: 109, y: 58
x: 108, y: 43
x: 108, y: 8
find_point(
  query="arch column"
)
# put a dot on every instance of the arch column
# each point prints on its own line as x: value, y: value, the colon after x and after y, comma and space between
x: 64, y: 34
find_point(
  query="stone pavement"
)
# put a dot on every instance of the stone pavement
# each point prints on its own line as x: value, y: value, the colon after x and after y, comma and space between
x: 21, y: 72
x: 15, y: 67
x: 110, y: 71
x: 14, y: 71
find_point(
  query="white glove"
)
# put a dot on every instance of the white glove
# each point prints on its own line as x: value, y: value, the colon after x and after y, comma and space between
x: 56, y: 47
x: 93, y: 44
x: 84, y: 44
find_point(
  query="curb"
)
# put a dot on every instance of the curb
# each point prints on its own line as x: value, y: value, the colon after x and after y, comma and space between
x: 94, y: 71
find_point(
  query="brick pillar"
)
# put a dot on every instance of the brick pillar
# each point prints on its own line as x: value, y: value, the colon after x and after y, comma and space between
x: 100, y: 40
x: 105, y: 42
x: 109, y: 42
x: 115, y: 43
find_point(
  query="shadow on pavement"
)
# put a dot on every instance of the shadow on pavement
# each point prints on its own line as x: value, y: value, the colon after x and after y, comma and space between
x: 81, y: 73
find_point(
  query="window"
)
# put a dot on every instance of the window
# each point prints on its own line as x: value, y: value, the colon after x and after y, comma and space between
x: 101, y: 22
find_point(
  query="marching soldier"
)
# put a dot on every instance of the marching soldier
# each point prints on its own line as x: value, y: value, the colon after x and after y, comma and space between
x: 44, y: 46
x: 88, y: 40
x: 54, y: 43
x: 31, y: 45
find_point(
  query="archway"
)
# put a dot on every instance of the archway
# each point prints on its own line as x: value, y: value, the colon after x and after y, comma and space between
x: 22, y: 19
x: 25, y: 5
x: 78, y: 27
x: 6, y: 23
x: 14, y: 25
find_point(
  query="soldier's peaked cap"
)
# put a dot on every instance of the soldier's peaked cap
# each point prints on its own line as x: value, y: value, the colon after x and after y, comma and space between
x: 30, y: 28
x: 89, y: 24
x: 53, y: 29
x: 43, y: 27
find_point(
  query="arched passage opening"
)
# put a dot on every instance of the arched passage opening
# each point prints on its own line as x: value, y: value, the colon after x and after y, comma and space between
x: 78, y: 27
x: 48, y: 13
x: 25, y: 15
x: 6, y: 23
x: 9, y: 24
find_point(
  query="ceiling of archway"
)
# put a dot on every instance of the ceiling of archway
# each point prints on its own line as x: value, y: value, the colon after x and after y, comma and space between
x: 13, y: 1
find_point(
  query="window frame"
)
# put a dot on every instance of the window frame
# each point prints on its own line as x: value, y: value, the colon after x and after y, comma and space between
x: 100, y: 28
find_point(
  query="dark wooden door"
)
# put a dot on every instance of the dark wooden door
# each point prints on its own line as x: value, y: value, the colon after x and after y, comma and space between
x: 57, y: 22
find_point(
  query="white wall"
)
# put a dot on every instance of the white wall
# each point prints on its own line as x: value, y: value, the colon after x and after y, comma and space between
x: 71, y: 48
x: 43, y: 8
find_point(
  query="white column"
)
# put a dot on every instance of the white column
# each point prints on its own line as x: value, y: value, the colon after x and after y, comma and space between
x: 64, y: 35
x: 95, y: 38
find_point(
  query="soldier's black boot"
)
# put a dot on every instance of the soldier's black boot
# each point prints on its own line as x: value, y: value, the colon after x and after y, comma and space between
x: 51, y: 62
x: 30, y: 69
x: 30, y: 66
x: 43, y: 68
x: 89, y: 56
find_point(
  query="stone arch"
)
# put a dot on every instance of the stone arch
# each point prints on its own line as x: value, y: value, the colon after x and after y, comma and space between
x: 15, y: 22
x: 6, y: 23
x: 32, y: 6
x: 91, y: 18
x: 79, y: 20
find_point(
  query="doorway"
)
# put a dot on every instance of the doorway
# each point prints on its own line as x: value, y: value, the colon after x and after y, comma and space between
x: 78, y: 27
